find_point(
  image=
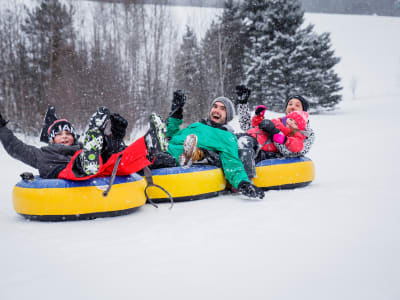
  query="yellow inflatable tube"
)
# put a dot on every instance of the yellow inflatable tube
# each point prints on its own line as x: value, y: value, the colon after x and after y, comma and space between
x: 203, y: 181
x: 58, y: 199
x: 284, y: 173
x: 196, y: 182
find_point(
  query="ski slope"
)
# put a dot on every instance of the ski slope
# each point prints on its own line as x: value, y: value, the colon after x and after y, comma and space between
x: 338, y: 238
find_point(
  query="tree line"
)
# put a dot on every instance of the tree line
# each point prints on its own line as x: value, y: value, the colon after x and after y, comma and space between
x: 121, y: 61
x: 363, y: 7
x: 131, y: 60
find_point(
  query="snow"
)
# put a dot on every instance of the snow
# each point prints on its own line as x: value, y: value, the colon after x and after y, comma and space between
x: 338, y: 238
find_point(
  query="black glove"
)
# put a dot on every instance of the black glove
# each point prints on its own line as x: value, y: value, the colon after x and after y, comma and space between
x: 178, y: 101
x: 2, y: 121
x: 49, y: 118
x: 250, y: 190
x: 243, y: 94
x: 118, y: 125
x: 268, y: 127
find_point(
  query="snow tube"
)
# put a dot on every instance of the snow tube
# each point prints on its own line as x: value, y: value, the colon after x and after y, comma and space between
x: 204, y: 181
x: 284, y: 173
x: 59, y: 199
x: 196, y: 182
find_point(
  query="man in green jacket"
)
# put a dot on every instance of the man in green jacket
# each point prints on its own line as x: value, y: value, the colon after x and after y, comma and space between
x: 213, y: 134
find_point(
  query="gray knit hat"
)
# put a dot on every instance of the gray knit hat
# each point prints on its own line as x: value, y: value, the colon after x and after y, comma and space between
x: 230, y: 108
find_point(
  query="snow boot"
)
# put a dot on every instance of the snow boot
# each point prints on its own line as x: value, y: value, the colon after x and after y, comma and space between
x: 90, y: 155
x: 155, y: 139
x: 101, y: 120
x: 190, y: 152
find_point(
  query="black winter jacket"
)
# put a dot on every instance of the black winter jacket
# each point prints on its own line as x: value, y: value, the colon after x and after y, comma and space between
x: 50, y: 160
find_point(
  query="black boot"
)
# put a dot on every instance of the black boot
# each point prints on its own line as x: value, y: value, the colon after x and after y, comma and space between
x: 101, y: 120
x: 155, y: 139
x: 247, y: 154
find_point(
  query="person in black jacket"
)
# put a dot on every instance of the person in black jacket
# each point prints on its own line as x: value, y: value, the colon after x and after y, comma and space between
x: 64, y: 157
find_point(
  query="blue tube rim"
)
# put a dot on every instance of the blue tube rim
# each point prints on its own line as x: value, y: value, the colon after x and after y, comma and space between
x: 40, y: 183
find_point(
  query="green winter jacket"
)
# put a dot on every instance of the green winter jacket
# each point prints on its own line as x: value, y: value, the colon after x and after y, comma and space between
x: 209, y: 138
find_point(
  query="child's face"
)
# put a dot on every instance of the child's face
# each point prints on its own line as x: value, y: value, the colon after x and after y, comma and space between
x: 65, y: 138
x: 291, y: 124
x: 294, y: 105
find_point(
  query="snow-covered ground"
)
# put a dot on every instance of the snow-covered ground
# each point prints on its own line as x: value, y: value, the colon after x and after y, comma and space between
x: 338, y: 238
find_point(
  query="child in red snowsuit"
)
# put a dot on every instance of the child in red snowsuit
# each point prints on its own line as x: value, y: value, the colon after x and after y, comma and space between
x: 260, y: 135
x: 290, y: 135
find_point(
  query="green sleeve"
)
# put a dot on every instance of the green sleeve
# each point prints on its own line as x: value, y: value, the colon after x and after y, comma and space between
x: 225, y: 143
x: 232, y: 166
x: 173, y: 126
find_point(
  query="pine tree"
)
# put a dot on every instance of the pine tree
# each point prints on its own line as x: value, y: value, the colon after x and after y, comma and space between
x: 283, y: 58
x: 223, y: 52
x: 188, y: 76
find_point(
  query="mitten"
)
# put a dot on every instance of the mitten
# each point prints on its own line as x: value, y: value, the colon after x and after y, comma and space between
x: 2, y: 121
x: 118, y: 125
x: 279, y: 138
x: 49, y: 118
x: 243, y: 94
x: 260, y: 110
x: 269, y: 127
x: 178, y: 101
x: 250, y: 190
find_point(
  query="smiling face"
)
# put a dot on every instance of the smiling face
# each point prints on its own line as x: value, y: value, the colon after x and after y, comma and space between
x: 291, y: 124
x: 64, y: 137
x: 294, y: 105
x: 218, y: 113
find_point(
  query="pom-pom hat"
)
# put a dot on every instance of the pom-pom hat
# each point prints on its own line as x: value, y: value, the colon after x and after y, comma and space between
x: 59, y: 126
x: 300, y: 117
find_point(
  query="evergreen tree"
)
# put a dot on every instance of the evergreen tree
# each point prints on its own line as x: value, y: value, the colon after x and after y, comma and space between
x: 283, y: 58
x: 188, y: 76
x: 319, y: 80
x: 223, y: 52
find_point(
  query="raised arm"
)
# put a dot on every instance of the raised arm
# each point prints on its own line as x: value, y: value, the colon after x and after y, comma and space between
x: 176, y: 114
x: 16, y: 148
x: 242, y: 107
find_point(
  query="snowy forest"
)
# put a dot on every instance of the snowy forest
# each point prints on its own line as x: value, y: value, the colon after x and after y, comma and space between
x: 130, y: 58
x: 364, y: 7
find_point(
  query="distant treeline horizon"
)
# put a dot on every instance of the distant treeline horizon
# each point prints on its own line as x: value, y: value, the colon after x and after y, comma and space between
x: 359, y: 7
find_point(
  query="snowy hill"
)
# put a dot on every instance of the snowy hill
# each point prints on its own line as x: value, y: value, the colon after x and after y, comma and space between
x: 335, y: 239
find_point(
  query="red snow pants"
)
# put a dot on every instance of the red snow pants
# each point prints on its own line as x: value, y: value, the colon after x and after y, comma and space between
x: 133, y: 159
